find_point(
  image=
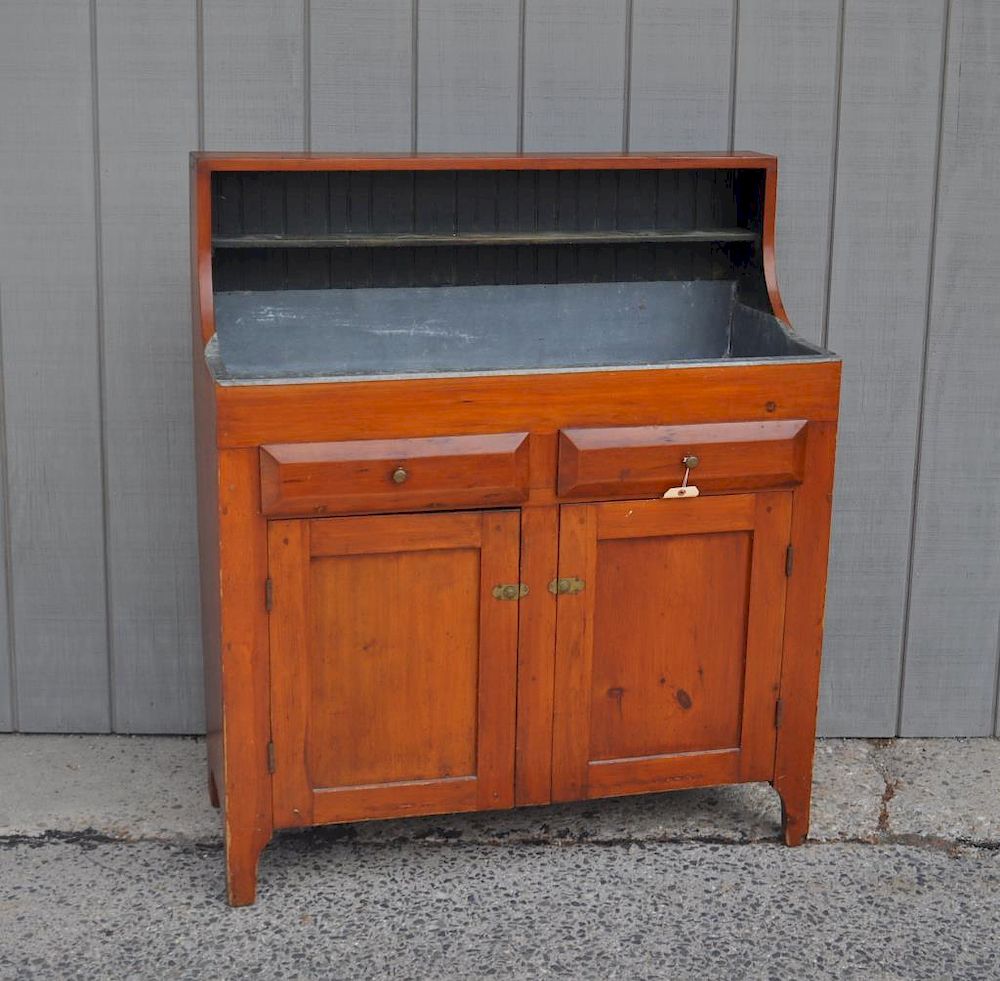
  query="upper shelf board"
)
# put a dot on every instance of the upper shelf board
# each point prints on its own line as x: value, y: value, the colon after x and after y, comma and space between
x: 409, y: 239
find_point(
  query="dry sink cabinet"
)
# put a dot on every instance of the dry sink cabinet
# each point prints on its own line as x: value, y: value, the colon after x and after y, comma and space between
x: 440, y: 401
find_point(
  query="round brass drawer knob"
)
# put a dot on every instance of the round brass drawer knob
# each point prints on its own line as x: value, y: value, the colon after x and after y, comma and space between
x: 399, y: 475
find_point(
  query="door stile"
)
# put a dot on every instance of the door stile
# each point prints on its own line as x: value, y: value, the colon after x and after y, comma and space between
x: 288, y: 625
x: 498, y: 619
x: 574, y: 652
x: 765, y: 629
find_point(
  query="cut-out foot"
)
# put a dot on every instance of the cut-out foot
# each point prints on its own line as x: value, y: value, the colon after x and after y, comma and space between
x: 794, y: 815
x: 213, y: 790
x: 242, y: 854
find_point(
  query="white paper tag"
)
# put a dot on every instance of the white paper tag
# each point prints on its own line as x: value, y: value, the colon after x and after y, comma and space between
x: 689, y: 491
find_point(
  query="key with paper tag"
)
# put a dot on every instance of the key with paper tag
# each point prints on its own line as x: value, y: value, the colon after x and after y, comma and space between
x: 685, y: 489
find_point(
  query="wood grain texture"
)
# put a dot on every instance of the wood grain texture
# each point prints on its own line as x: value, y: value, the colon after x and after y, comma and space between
x: 394, y: 475
x: 251, y: 415
x: 361, y: 74
x: 536, y: 655
x: 467, y: 86
x: 392, y: 694
x: 667, y: 673
x: 616, y: 778
x: 534, y: 160
x: 805, y: 597
x: 288, y: 568
x: 51, y: 378
x: 644, y: 461
x: 254, y: 58
x: 451, y: 795
x: 786, y: 94
x: 655, y: 675
x: 394, y: 665
x: 574, y: 74
x: 885, y: 185
x: 680, y: 76
x: 147, y: 90
x: 245, y: 671
x: 574, y: 653
x: 950, y: 678
x: 765, y: 641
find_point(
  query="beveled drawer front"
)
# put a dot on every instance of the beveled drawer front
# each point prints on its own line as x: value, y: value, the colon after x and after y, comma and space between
x: 394, y: 474
x: 643, y: 461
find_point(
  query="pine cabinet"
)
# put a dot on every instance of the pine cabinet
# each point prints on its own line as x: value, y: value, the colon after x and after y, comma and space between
x: 514, y: 486
x: 668, y: 658
x: 393, y: 664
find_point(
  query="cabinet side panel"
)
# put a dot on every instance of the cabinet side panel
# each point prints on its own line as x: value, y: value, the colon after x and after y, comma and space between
x: 207, y: 466
x: 803, y: 637
x: 951, y: 645
x: 51, y: 377
x: 243, y: 629
x: 878, y: 313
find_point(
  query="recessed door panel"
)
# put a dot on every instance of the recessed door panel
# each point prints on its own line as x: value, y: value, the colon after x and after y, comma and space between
x: 393, y: 665
x: 670, y: 615
x: 668, y: 656
x: 393, y: 694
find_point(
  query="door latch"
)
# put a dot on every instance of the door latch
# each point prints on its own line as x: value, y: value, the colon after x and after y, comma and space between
x: 510, y: 591
x: 570, y: 585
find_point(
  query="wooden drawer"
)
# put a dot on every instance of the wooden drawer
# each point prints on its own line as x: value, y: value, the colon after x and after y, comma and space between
x: 394, y: 474
x: 643, y: 461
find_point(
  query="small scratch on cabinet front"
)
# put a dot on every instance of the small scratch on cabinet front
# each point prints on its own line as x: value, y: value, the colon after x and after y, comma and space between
x: 617, y: 694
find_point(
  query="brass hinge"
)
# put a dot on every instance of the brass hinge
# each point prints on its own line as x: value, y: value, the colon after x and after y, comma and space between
x: 779, y: 711
x: 270, y: 757
x: 570, y: 584
x: 510, y: 590
x: 268, y: 594
x: 789, y: 560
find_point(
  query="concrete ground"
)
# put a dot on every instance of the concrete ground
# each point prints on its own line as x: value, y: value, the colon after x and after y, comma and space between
x: 111, y: 867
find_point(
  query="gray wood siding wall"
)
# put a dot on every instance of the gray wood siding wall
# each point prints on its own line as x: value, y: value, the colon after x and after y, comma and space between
x: 886, y: 119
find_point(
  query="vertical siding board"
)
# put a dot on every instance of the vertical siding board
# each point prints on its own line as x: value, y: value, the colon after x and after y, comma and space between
x: 7, y: 714
x: 574, y: 74
x: 50, y: 347
x: 361, y: 75
x: 254, y: 74
x: 886, y: 160
x: 467, y: 86
x: 681, y: 62
x: 951, y: 651
x: 147, y: 88
x: 786, y: 82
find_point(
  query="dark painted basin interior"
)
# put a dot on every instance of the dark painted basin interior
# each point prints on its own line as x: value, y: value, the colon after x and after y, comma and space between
x: 342, y: 333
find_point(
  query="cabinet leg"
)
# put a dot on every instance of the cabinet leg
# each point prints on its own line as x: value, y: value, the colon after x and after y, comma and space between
x: 213, y: 789
x: 796, y: 796
x: 242, y: 852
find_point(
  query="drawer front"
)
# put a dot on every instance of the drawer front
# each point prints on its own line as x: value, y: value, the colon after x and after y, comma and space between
x: 363, y: 476
x: 643, y: 461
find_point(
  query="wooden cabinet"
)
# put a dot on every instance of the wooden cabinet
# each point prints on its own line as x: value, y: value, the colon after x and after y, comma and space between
x: 668, y: 643
x: 393, y: 665
x: 439, y: 402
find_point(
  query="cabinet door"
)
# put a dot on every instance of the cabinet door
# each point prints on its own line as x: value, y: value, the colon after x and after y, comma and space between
x: 393, y: 665
x: 669, y: 653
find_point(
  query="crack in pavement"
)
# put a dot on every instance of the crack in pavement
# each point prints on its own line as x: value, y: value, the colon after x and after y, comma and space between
x: 90, y: 838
